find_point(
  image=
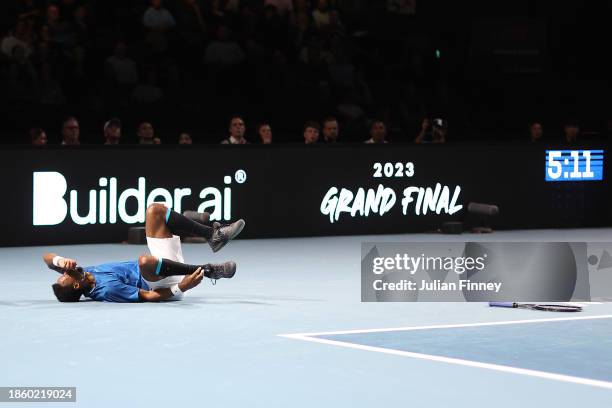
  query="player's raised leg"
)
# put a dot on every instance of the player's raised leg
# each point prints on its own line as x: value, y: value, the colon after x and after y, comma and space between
x: 155, y: 222
x: 217, y: 236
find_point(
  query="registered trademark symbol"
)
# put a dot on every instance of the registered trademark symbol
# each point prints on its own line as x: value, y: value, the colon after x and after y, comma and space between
x: 240, y: 176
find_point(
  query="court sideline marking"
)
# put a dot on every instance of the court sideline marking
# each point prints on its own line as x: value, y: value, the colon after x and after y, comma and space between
x: 311, y: 337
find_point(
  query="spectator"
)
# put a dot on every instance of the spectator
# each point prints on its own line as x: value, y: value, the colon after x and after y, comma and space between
x: 233, y: 6
x: 149, y: 92
x: 22, y: 75
x: 424, y: 132
x: 82, y: 38
x: 330, y: 130
x: 44, y: 34
x: 264, y: 131
x: 335, y: 26
x: 378, y: 133
x: 112, y: 132
x: 223, y: 51
x: 437, y: 133
x: 311, y: 132
x: 120, y: 69
x: 216, y: 12
x: 71, y: 132
x: 16, y: 37
x: 81, y: 25
x: 158, y: 21
x: 535, y: 132
x: 191, y: 24
x: 236, y: 130
x: 146, y: 133
x: 53, y: 15
x: 59, y: 31
x: 46, y: 51
x: 27, y: 10
x: 321, y: 14
x: 302, y: 6
x: 302, y: 31
x: 349, y: 106
x: 272, y: 30
x: 68, y: 7
x: 404, y: 7
x: 38, y: 137
x: 571, y: 131
x: 185, y: 139
x: 157, y: 17
x: 49, y: 89
x: 284, y: 7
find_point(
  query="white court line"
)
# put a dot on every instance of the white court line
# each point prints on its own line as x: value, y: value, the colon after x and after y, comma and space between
x: 584, y: 304
x: 457, y: 361
x: 451, y: 326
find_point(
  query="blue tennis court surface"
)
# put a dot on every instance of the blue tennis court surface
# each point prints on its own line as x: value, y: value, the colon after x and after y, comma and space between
x: 221, y: 346
x: 577, y: 348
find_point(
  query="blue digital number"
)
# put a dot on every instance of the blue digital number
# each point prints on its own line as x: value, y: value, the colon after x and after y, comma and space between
x: 574, y: 165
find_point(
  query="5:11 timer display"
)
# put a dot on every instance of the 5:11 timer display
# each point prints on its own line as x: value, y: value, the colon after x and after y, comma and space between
x: 574, y: 165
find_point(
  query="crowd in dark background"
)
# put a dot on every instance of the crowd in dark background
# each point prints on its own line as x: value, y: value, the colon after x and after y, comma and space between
x: 206, y: 71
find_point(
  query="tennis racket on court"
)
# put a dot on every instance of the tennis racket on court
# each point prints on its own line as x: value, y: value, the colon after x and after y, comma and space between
x: 535, y: 306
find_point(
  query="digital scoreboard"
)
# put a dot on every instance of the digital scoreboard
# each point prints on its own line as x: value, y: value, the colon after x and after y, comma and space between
x: 574, y: 165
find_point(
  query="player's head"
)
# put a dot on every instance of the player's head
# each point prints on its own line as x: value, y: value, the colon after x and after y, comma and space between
x: 71, y: 285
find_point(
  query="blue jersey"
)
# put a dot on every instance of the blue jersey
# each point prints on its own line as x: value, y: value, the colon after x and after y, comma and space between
x: 116, y: 282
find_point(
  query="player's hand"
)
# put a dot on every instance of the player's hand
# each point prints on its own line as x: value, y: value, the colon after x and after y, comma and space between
x: 193, y: 280
x: 66, y: 263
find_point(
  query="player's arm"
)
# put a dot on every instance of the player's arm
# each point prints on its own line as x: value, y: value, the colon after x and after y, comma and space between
x: 188, y: 282
x: 156, y: 295
x: 60, y: 263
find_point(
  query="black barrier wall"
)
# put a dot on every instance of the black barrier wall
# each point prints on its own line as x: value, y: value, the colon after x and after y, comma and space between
x: 93, y: 194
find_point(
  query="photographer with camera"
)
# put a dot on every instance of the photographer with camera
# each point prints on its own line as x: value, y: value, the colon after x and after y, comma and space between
x: 435, y: 133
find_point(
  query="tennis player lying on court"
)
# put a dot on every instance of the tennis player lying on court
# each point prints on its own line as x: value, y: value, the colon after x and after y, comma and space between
x: 162, y: 275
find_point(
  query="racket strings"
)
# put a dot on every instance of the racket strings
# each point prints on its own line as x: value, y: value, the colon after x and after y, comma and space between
x: 557, y: 308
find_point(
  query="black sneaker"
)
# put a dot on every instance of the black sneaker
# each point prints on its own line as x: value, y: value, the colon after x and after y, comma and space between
x: 222, y: 234
x: 219, y: 271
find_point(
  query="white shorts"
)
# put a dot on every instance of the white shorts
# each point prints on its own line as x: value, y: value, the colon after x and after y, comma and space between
x: 169, y: 248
